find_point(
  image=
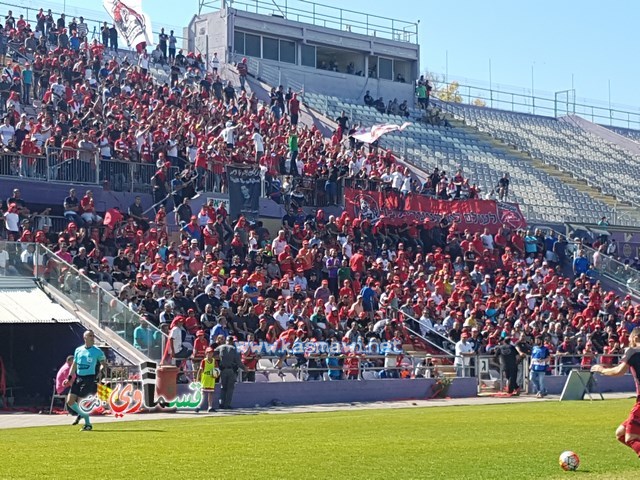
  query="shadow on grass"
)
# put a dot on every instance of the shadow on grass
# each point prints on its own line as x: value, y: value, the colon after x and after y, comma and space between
x: 142, y: 430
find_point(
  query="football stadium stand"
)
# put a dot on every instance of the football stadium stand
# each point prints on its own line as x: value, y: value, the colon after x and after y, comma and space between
x: 626, y: 132
x: 101, y: 118
x: 562, y: 143
x: 425, y: 146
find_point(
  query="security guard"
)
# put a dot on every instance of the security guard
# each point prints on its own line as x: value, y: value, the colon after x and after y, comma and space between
x: 229, y: 363
x: 509, y: 356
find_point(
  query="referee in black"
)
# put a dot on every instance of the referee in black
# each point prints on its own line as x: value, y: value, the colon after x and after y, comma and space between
x: 229, y: 363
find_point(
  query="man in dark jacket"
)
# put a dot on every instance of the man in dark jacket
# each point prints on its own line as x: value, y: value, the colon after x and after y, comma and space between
x: 229, y: 363
x: 509, y: 355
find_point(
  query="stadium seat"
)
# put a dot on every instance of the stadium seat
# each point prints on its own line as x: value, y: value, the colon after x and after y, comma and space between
x: 264, y: 364
x: 370, y: 375
x: 55, y: 396
x: 428, y: 146
x: 289, y: 377
x: 566, y: 145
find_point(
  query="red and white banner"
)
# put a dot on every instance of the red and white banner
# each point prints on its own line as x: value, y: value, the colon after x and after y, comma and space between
x: 131, y: 22
x: 475, y: 215
x: 370, y: 135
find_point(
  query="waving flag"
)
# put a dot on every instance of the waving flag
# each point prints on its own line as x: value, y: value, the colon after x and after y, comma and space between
x: 104, y: 392
x: 370, y: 135
x: 130, y: 21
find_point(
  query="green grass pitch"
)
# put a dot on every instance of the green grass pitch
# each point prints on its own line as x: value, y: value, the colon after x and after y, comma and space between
x: 518, y: 441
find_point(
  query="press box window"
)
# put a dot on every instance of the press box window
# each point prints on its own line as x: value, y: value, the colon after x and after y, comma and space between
x: 287, y: 51
x: 270, y: 48
x: 252, y: 45
x: 308, y: 56
x: 246, y: 44
x: 385, y: 66
x: 238, y: 42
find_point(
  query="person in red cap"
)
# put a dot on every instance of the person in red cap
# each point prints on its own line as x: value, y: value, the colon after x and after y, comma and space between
x: 464, y: 352
x: 178, y: 347
x: 207, y: 375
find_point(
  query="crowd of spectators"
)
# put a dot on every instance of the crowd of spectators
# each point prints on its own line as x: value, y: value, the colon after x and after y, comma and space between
x: 101, y: 108
x: 320, y: 278
x: 529, y: 299
x: 97, y: 107
x: 345, y: 279
x: 624, y: 269
x: 393, y: 107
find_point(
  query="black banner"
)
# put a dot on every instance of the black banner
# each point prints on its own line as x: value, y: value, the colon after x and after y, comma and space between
x: 244, y: 192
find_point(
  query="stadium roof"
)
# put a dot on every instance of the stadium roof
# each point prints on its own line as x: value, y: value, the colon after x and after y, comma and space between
x: 24, y: 304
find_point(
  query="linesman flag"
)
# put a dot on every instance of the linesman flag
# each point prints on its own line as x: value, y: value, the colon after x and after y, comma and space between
x: 104, y: 392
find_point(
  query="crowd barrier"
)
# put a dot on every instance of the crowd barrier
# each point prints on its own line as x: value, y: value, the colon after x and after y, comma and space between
x: 486, y: 369
x: 76, y: 166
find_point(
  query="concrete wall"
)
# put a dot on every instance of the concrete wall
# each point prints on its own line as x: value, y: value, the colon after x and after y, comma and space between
x: 209, y: 33
x: 264, y: 394
x: 331, y: 83
x: 46, y: 194
x: 554, y: 384
x: 307, y: 393
x: 219, y: 28
x: 330, y: 37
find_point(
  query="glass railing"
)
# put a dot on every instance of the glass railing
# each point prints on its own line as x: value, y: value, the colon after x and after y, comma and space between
x: 625, y: 275
x: 20, y: 261
x: 94, y: 299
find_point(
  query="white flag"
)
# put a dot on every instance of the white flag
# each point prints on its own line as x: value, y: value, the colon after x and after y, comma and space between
x: 366, y: 135
x: 131, y: 22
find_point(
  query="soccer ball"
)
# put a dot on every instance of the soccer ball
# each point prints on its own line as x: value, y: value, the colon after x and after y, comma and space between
x: 569, y: 461
x: 216, y: 373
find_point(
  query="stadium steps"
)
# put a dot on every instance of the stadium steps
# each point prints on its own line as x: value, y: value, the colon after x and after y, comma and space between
x: 623, y: 208
x: 110, y: 337
x: 606, y: 134
x: 308, y: 116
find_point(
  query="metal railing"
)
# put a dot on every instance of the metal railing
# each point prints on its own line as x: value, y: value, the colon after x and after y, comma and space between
x: 79, y: 167
x: 330, y: 17
x: 57, y: 223
x: 314, y: 191
x: 551, y: 104
x: 538, y: 213
x: 94, y: 19
x: 272, y: 75
x: 428, y: 334
x: 624, y: 275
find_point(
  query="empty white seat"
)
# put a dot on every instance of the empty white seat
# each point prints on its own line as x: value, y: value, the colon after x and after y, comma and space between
x: 370, y: 375
x: 264, y: 364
